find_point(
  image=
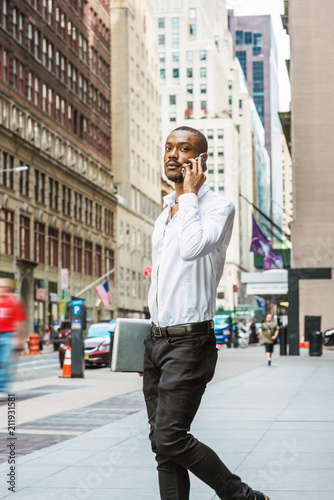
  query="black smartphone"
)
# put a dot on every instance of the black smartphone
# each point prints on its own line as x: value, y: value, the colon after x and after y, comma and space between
x: 204, y: 166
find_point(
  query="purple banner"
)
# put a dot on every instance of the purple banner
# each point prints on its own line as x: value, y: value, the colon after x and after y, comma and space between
x: 261, y: 245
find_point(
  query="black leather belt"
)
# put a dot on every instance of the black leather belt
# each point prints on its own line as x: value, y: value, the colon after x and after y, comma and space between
x: 192, y: 328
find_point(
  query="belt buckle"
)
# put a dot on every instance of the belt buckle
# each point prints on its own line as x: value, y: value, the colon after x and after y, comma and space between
x: 160, y: 332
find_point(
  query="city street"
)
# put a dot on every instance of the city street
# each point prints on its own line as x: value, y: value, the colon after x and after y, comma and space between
x: 87, y: 438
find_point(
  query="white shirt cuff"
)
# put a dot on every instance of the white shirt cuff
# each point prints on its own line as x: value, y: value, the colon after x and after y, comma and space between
x: 188, y: 200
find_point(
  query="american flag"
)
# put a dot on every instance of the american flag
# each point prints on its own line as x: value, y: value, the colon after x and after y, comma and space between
x: 103, y: 293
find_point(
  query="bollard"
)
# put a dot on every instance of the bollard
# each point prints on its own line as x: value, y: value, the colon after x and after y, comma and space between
x: 34, y: 343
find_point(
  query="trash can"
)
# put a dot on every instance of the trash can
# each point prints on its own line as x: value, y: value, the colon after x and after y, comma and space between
x: 315, y: 339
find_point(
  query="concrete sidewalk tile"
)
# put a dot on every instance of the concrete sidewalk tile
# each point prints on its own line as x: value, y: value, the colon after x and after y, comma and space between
x: 101, y: 477
x: 287, y: 478
x: 299, y: 495
x: 272, y: 459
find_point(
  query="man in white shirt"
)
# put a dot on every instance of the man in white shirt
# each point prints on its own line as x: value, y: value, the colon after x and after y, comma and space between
x: 189, y: 244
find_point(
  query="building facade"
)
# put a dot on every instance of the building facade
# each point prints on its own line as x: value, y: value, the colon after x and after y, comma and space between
x: 255, y: 47
x: 202, y: 86
x: 287, y: 214
x: 57, y: 216
x: 136, y: 149
x: 312, y: 110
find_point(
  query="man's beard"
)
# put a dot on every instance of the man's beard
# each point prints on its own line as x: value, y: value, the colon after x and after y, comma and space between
x: 177, y: 180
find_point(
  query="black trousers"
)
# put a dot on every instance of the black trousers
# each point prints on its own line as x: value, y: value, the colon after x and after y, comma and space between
x: 176, y: 371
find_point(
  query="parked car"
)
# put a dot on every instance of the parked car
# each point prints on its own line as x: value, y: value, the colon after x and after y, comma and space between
x: 329, y: 337
x: 96, y: 344
x: 61, y: 334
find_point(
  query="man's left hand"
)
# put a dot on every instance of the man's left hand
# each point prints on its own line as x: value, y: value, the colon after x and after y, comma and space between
x: 194, y: 177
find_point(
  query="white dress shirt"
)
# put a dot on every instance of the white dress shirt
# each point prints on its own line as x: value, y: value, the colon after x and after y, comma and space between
x: 188, y: 254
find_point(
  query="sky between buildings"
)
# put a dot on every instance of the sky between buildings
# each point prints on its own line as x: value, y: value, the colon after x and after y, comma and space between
x: 275, y: 8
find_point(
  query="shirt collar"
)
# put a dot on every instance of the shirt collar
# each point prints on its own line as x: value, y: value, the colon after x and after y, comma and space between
x: 169, y: 199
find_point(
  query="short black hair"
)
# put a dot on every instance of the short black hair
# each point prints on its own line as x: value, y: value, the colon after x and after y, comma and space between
x: 202, y: 141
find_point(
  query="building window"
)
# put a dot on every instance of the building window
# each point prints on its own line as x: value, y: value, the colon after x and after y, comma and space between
x: 53, y: 194
x: 175, y: 22
x: 66, y: 250
x: 190, y: 89
x: 172, y: 116
x: 203, y: 88
x: 7, y: 232
x: 98, y: 260
x: 202, y: 72
x: 242, y: 56
x: 190, y: 105
x: 175, y: 39
x: 176, y: 72
x: 176, y: 56
x: 77, y: 247
x: 5, y: 66
x: 98, y: 216
x: 248, y: 38
x: 161, y: 39
x: 88, y: 212
x: 203, y: 105
x: 210, y: 134
x: 172, y: 100
x: 15, y: 74
x: 258, y: 76
x: 7, y: 177
x: 210, y: 152
x: 192, y: 29
x: 192, y: 13
x: 53, y: 247
x: 39, y: 243
x: 257, y: 51
x: 220, y: 169
x: 88, y: 258
x: 189, y: 72
x: 4, y: 14
x: 109, y: 263
x: 162, y: 74
x: 239, y: 37
x: 220, y: 151
x: 220, y: 133
x: 189, y: 55
x: 77, y: 206
x: 24, y: 181
x: 161, y: 22
x: 202, y: 55
x: 108, y: 222
x: 258, y: 40
x: 162, y: 57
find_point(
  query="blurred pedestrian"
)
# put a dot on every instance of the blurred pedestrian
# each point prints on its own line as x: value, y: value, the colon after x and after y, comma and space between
x: 12, y: 332
x: 189, y: 245
x: 47, y: 336
x: 269, y: 334
x: 253, y: 338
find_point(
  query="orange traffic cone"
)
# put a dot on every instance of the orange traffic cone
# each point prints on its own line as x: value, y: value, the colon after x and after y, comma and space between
x: 67, y: 363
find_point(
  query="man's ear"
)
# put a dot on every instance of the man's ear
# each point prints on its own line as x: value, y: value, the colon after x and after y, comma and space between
x: 205, y: 156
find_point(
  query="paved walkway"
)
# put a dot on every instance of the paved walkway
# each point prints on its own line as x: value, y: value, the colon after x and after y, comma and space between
x: 272, y: 425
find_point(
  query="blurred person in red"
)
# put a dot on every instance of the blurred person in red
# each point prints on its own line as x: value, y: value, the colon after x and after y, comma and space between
x: 12, y: 332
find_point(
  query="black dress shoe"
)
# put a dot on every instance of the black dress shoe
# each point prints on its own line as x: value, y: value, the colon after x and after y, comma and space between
x: 260, y: 496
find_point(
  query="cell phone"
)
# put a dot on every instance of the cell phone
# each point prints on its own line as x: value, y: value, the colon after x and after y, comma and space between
x: 204, y: 166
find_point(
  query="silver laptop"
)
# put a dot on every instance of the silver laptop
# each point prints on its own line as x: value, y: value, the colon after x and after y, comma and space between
x: 128, y: 346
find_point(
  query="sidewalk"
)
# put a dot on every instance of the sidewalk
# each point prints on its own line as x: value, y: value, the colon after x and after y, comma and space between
x: 273, y: 426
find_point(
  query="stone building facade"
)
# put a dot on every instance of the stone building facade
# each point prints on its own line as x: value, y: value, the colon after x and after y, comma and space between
x: 58, y: 216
